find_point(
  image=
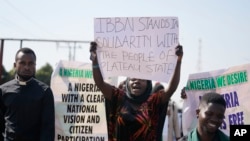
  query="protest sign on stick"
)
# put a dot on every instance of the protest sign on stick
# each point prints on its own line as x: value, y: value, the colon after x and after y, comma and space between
x: 139, y: 47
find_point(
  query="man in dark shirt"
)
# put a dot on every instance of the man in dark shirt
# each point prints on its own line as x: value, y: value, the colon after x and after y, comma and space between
x: 27, y: 110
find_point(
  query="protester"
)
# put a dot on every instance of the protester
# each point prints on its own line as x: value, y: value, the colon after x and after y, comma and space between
x: 171, y: 130
x: 184, y: 97
x: 27, y: 104
x: 135, y: 114
x: 174, y: 131
x: 210, y: 115
x: 183, y: 93
x: 122, y: 85
x: 189, y: 122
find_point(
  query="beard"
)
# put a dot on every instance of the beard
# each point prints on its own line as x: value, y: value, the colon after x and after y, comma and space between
x: 25, y: 77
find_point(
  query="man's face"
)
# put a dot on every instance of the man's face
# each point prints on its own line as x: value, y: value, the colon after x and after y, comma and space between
x: 210, y: 117
x: 25, y: 66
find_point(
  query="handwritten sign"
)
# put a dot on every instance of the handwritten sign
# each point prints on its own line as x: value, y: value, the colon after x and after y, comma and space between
x: 139, y: 47
x: 233, y: 83
x: 79, y: 104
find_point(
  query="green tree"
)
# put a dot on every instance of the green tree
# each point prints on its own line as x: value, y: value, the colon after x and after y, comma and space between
x: 12, y: 73
x: 44, y: 73
x: 5, y: 75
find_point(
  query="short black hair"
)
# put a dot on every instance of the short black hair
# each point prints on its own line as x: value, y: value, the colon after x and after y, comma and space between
x: 213, y: 97
x: 25, y: 50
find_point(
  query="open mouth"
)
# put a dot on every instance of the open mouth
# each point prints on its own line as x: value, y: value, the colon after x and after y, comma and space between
x: 136, y: 89
x: 212, y: 126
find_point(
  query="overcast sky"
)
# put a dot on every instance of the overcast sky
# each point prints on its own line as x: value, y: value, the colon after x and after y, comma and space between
x: 215, y: 34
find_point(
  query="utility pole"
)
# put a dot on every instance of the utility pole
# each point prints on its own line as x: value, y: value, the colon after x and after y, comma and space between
x: 74, y: 42
x: 1, y: 59
x: 70, y: 47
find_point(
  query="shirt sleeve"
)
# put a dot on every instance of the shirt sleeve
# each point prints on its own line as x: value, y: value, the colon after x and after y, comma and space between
x: 2, y: 122
x: 48, y: 117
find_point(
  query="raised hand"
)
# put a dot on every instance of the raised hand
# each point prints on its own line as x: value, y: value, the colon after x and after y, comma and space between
x: 92, y: 50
